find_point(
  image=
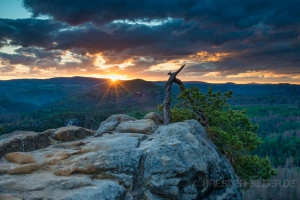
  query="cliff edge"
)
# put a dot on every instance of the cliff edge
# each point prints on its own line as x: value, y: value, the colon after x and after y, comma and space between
x: 124, y: 159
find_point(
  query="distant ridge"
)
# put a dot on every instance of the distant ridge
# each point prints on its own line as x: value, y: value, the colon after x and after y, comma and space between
x: 230, y: 83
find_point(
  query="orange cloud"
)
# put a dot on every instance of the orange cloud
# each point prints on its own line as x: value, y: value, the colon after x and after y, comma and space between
x: 259, y: 74
x: 205, y: 56
x: 100, y: 62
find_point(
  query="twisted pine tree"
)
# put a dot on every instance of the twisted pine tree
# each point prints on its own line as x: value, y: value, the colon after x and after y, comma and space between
x: 167, y: 99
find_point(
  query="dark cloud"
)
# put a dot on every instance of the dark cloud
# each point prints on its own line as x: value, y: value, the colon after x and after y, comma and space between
x: 229, y: 37
x: 14, y: 59
x: 6, y: 68
x: 39, y: 58
x: 28, y: 32
x: 239, y: 13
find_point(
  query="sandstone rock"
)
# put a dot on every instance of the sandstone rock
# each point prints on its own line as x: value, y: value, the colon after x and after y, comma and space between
x: 20, y: 158
x: 21, y: 169
x: 176, y: 161
x: 111, y: 123
x: 48, y: 186
x: 119, y: 161
x: 173, y: 163
x: 23, y: 141
x: 101, y: 190
x: 157, y: 118
x: 145, y: 126
x: 11, y: 197
x: 70, y: 133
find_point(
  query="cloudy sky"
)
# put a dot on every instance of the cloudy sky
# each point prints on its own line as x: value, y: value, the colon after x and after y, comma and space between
x: 218, y: 40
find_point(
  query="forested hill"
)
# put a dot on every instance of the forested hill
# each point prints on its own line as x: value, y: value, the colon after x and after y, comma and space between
x: 52, y: 103
x: 33, y: 104
x: 41, y: 91
x: 242, y: 89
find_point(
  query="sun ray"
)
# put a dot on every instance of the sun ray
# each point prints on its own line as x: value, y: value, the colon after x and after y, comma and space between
x: 117, y: 93
x: 109, y: 85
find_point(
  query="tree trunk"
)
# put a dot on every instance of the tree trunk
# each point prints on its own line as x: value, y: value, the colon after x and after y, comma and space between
x: 167, y: 99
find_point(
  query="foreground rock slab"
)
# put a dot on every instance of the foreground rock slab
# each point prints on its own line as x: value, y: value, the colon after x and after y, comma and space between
x: 129, y: 159
x: 24, y: 141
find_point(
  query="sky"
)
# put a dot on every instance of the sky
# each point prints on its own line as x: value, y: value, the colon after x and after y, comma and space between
x: 218, y: 40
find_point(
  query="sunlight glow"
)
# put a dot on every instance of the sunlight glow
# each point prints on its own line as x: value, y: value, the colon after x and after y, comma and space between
x: 168, y: 66
x: 147, y: 22
x: 205, y: 56
x: 9, y: 49
x: 258, y: 74
x: 69, y: 57
x: 113, y: 78
x: 100, y: 62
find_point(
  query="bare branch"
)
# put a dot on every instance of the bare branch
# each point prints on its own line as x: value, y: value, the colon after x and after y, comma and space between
x: 167, y: 100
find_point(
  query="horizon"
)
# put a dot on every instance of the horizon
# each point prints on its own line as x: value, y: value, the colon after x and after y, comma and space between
x: 219, y: 41
x: 114, y: 80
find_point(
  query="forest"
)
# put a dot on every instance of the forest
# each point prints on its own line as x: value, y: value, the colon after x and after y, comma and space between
x: 37, y: 105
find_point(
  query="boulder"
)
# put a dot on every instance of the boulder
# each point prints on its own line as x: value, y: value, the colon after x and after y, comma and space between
x: 70, y: 133
x: 179, y: 164
x: 145, y: 126
x: 20, y: 158
x: 157, y: 118
x: 136, y: 160
x: 110, y: 124
x: 25, y: 141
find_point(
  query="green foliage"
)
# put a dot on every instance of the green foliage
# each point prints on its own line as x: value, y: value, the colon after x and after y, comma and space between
x: 231, y: 130
x: 279, y: 148
x: 253, y: 167
x: 194, y: 100
x: 181, y: 114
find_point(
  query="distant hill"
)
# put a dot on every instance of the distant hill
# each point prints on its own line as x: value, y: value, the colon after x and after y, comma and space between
x: 8, y: 106
x: 239, y: 89
x: 41, y: 91
x: 83, y: 101
x: 34, y: 104
x: 113, y: 95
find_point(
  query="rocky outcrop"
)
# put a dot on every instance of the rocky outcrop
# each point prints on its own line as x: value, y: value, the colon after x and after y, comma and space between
x: 110, y: 124
x: 159, y: 120
x: 25, y: 141
x: 130, y: 159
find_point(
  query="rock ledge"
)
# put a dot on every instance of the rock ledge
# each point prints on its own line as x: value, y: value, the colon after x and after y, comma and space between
x: 124, y: 159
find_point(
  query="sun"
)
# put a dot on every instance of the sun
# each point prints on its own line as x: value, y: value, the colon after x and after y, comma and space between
x: 114, y: 78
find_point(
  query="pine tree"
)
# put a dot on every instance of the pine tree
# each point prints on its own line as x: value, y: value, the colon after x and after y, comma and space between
x: 231, y: 130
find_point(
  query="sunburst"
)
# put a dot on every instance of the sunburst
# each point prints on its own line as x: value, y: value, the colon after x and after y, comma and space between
x: 115, y: 84
x: 114, y: 78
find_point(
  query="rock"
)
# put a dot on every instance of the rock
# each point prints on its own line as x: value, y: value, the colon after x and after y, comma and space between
x: 110, y: 124
x: 70, y: 133
x: 11, y: 197
x: 124, y: 161
x: 100, y: 190
x: 176, y: 161
x: 23, y: 141
x: 180, y: 164
x: 21, y: 169
x: 157, y: 118
x: 145, y: 126
x: 20, y: 158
